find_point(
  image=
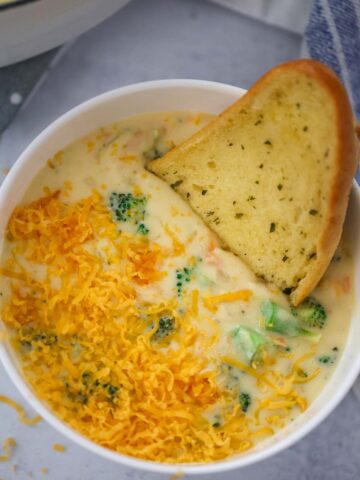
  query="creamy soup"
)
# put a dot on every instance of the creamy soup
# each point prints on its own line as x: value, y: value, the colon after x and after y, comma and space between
x: 136, y: 327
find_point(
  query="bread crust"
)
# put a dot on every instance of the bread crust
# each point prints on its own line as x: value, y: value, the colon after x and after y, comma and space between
x: 346, y: 162
x: 347, y: 151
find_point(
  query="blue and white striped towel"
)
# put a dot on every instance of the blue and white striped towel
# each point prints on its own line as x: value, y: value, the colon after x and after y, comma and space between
x: 332, y: 36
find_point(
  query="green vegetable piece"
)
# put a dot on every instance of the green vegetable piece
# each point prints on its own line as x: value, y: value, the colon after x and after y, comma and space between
x: 311, y: 313
x: 46, y: 338
x: 86, y: 377
x: 112, y: 391
x: 245, y: 401
x: 165, y: 328
x: 279, y: 320
x: 128, y: 208
x: 142, y: 229
x: 82, y: 398
x: 248, y: 341
x: 183, y: 276
x: 326, y: 359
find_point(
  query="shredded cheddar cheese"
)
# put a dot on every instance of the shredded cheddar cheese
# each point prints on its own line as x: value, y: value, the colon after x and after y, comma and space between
x: 89, y: 344
x: 20, y: 410
x: 211, y: 302
x: 58, y: 447
x: 177, y: 475
x: 195, y: 302
x: 178, y: 247
x: 8, y: 446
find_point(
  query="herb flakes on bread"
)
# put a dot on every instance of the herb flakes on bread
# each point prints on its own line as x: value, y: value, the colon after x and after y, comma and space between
x: 272, y: 174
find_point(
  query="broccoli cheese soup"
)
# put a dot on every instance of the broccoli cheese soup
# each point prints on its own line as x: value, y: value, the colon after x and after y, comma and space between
x: 133, y: 323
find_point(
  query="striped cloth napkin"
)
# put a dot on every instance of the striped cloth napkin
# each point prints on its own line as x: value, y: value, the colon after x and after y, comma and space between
x: 332, y: 36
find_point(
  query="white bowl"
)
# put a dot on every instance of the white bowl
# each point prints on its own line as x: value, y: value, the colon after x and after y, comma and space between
x: 28, y: 28
x: 167, y: 95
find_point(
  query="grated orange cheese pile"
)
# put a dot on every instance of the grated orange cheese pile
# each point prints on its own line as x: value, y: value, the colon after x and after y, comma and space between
x: 86, y: 343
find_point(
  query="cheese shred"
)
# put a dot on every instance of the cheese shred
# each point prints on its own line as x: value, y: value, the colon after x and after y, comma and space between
x: 8, y: 446
x: 20, y: 410
x: 58, y: 447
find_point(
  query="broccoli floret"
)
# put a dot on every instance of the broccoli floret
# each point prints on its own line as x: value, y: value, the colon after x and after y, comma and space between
x: 329, y: 359
x: 92, y: 388
x: 46, y: 338
x: 311, y: 312
x: 183, y: 276
x: 111, y: 391
x: 279, y: 320
x: 86, y: 377
x: 324, y: 359
x: 142, y: 229
x: 128, y: 208
x: 249, y: 341
x: 245, y: 401
x: 165, y: 328
x: 30, y: 338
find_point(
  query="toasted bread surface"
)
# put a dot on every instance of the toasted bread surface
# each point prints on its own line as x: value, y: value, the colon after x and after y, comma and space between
x: 272, y: 174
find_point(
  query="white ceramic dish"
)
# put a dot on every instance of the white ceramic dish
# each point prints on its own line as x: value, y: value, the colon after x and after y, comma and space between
x: 168, y: 95
x: 30, y: 27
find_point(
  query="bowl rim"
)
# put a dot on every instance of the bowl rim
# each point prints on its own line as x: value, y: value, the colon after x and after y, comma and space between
x: 246, y: 459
